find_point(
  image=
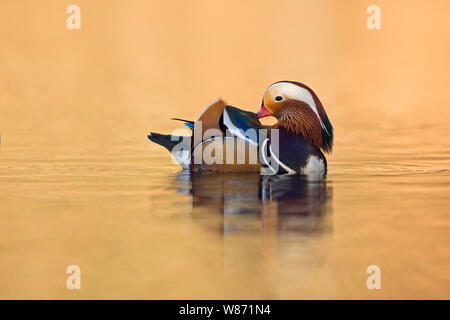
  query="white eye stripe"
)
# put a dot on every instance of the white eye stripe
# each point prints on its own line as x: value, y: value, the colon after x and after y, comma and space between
x: 292, y: 91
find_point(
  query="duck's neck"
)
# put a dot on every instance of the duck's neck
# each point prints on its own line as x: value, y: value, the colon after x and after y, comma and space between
x: 302, y: 124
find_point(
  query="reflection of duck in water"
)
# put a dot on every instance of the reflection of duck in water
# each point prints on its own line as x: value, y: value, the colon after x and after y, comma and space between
x: 293, y: 145
x: 291, y: 202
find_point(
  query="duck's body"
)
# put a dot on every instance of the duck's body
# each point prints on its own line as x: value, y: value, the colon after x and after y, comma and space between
x: 299, y: 155
x: 226, y: 138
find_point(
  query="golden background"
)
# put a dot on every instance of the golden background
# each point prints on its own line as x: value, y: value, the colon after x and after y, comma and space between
x: 81, y: 184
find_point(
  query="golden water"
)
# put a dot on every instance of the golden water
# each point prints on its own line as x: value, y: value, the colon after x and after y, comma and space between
x: 80, y: 183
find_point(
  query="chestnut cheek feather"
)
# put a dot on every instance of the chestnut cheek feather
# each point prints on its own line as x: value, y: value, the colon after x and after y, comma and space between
x: 298, y: 118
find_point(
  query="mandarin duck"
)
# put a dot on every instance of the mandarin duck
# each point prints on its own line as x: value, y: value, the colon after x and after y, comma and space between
x: 228, y: 139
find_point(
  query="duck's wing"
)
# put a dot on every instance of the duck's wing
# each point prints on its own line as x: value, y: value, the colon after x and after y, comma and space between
x: 242, y: 124
x: 207, y: 123
x: 233, y: 146
x: 225, y: 154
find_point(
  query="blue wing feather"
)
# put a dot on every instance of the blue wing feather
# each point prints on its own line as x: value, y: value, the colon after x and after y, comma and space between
x: 187, y: 123
x: 240, y: 121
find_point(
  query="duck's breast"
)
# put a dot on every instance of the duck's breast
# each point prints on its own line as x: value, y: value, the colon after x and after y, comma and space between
x: 297, y: 154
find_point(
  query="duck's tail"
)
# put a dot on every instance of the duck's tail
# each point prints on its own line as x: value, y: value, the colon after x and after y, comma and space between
x: 182, y: 153
x: 166, y: 140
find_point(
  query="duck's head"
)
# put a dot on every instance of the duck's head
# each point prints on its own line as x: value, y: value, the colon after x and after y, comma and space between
x: 298, y: 110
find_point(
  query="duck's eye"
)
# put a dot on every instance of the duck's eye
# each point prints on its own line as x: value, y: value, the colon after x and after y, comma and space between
x: 278, y: 98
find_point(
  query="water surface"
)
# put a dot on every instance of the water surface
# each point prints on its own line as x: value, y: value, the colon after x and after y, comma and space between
x: 80, y: 183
